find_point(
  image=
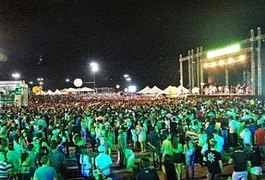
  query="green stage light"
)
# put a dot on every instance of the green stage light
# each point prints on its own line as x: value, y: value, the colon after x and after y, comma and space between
x: 223, y: 51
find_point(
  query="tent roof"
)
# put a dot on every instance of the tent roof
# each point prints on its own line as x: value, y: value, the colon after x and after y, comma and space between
x: 145, y: 90
x: 155, y: 90
x: 85, y: 89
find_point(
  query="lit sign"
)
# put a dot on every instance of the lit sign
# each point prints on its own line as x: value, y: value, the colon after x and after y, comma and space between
x: 224, y: 51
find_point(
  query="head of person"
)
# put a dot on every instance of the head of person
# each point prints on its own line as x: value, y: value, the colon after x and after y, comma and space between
x: 213, y: 143
x: 45, y: 160
x: 102, y: 149
x: 145, y: 162
x: 53, y: 144
x: 169, y: 136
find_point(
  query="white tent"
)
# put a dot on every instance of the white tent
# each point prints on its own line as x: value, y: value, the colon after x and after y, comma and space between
x: 170, y: 90
x: 64, y: 90
x: 182, y: 90
x: 49, y: 92
x: 195, y: 90
x: 145, y: 90
x: 85, y: 89
x: 155, y: 90
x: 72, y: 90
x: 57, y: 92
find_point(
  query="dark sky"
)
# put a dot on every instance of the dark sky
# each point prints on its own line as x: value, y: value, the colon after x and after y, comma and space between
x: 140, y: 38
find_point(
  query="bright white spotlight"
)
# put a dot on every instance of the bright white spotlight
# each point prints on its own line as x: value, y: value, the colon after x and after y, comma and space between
x: 221, y: 62
x: 126, y: 76
x: 213, y: 64
x: 132, y: 89
x: 230, y: 61
x: 15, y: 75
x: 94, y: 67
x: 78, y: 82
x: 67, y: 80
x: 242, y: 58
x: 117, y: 86
x: 31, y: 82
x: 205, y: 65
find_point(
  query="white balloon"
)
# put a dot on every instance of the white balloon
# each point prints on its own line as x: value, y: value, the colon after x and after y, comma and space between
x: 78, y: 82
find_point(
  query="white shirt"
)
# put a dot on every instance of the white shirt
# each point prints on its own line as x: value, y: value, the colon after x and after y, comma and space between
x: 102, y: 161
x: 246, y: 136
x: 220, y: 143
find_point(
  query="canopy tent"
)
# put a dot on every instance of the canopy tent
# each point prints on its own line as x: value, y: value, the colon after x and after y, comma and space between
x: 57, y: 92
x: 49, y: 92
x: 145, y: 90
x: 170, y: 90
x: 195, y: 90
x: 85, y: 89
x: 64, y: 90
x: 155, y: 90
x: 182, y: 90
x: 72, y: 90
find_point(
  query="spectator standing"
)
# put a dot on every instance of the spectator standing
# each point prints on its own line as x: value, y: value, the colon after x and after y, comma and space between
x: 169, y: 168
x: 189, y: 150
x: 45, y: 171
x: 146, y: 172
x: 241, y: 163
x: 256, y: 166
x: 213, y: 162
x: 57, y: 160
x: 103, y: 162
x: 259, y: 139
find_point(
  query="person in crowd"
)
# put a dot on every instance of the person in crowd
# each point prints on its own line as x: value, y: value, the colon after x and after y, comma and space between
x: 129, y: 158
x: 86, y: 166
x: 233, y: 128
x: 256, y: 166
x: 169, y: 168
x: 189, y: 151
x: 167, y: 147
x: 45, y: 171
x: 178, y: 156
x: 78, y: 142
x: 220, y: 141
x: 24, y: 169
x: 14, y: 158
x: 246, y: 135
x: 202, y: 140
x: 142, y: 130
x: 121, y: 151
x: 241, y: 163
x: 103, y: 162
x: 146, y: 171
x: 134, y: 137
x: 32, y: 160
x: 56, y: 159
x: 154, y: 142
x: 213, y: 161
x: 5, y: 167
x: 259, y: 139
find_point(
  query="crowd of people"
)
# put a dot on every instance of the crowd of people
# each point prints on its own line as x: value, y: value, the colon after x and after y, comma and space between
x: 179, y: 132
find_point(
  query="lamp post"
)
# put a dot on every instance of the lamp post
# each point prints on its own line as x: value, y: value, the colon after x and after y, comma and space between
x: 16, y: 76
x: 127, y: 79
x: 94, y: 68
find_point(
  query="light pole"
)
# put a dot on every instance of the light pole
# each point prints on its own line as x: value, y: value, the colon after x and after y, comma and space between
x: 40, y: 80
x: 94, y: 68
x: 127, y: 79
x: 16, y: 76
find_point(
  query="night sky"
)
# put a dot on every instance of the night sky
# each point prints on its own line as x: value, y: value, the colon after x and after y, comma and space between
x: 57, y: 39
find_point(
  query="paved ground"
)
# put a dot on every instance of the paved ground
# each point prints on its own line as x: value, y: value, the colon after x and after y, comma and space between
x: 73, y: 173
